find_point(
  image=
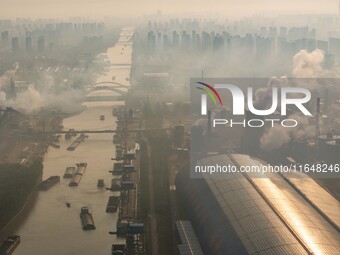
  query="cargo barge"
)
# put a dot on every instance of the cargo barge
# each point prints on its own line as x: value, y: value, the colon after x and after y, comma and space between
x: 76, y: 142
x: 9, y: 245
x: 119, y: 153
x: 78, y: 174
x: 75, y: 180
x: 54, y: 145
x: 115, y: 184
x: 118, y: 249
x: 81, y: 168
x: 128, y: 168
x: 112, y: 204
x: 100, y: 183
x: 116, y: 138
x: 127, y: 185
x: 69, y: 172
x: 86, y: 219
x: 49, y: 182
x: 117, y: 168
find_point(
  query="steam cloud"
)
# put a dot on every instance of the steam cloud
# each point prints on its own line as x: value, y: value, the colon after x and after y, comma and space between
x: 305, y: 65
x: 32, y: 100
x: 308, y: 65
x: 278, y: 136
x: 263, y: 96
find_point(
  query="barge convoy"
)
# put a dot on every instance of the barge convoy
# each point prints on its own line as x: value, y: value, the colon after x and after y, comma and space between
x: 9, y: 245
x: 76, y: 142
x: 78, y: 174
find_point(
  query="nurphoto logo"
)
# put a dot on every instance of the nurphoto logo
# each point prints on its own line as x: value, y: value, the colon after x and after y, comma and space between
x: 289, y: 96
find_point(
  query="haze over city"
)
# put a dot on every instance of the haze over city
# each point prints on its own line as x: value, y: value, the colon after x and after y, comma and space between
x: 133, y: 9
x: 169, y: 127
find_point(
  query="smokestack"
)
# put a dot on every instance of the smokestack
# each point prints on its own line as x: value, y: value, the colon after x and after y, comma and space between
x: 317, y: 124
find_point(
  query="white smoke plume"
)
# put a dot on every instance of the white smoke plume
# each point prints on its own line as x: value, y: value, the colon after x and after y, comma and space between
x: 278, y: 136
x: 308, y: 65
x: 263, y: 96
x: 5, y: 79
x: 48, y: 96
x: 31, y: 100
x: 305, y: 65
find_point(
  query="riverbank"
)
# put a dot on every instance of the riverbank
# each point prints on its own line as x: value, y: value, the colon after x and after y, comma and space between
x: 10, y: 227
x: 17, y: 191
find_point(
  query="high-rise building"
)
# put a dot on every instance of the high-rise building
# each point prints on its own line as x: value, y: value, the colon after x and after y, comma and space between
x: 322, y: 45
x: 28, y: 43
x: 334, y: 47
x: 185, y: 39
x: 165, y: 42
x: 15, y: 44
x: 175, y: 38
x: 4, y: 38
x: 41, y: 44
x: 151, y: 40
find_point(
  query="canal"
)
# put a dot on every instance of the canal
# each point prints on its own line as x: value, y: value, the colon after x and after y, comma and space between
x: 50, y: 227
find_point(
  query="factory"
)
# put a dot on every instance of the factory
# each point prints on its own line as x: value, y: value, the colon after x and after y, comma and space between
x: 259, y: 213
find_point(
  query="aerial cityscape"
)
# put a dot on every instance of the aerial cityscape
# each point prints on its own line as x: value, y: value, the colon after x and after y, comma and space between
x: 170, y: 131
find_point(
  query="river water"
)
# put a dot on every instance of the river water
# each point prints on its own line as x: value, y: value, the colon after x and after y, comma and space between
x: 50, y: 227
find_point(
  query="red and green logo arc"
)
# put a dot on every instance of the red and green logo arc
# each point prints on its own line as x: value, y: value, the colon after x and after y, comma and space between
x: 209, y: 90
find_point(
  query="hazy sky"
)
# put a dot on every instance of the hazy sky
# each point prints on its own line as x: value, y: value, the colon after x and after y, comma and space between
x: 100, y: 8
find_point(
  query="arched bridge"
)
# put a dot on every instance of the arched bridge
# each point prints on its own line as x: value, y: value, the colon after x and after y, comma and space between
x: 114, y: 86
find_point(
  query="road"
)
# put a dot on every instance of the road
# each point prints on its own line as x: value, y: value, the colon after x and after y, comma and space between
x: 152, y: 215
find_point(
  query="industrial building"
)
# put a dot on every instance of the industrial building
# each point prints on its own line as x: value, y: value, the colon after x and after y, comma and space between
x: 189, y: 243
x: 252, y: 213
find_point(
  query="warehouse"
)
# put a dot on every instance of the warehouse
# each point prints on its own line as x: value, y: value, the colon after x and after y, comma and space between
x: 258, y: 213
